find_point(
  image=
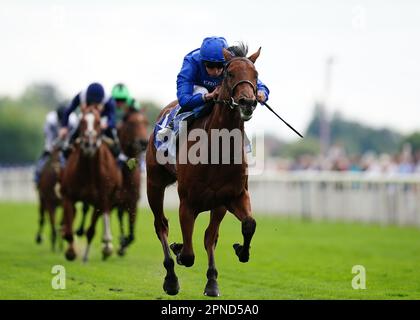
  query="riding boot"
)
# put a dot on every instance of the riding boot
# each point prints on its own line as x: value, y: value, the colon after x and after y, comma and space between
x: 67, y: 145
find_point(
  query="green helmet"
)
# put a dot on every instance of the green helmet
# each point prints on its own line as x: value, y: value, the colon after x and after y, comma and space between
x: 120, y: 92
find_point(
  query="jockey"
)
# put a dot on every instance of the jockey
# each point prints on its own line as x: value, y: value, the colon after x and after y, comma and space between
x: 51, y: 129
x: 124, y: 104
x: 124, y: 101
x: 201, y: 74
x: 94, y: 95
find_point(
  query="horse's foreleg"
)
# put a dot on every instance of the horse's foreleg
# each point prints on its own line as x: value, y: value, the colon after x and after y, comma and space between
x: 241, y: 208
x: 107, y: 238
x: 155, y: 195
x: 61, y: 228
x: 51, y: 212
x: 90, y: 233
x: 126, y: 241
x: 132, y: 214
x: 81, y: 228
x: 121, y: 251
x: 185, y: 252
x: 210, y: 240
x: 41, y: 222
x: 68, y: 207
x: 121, y: 222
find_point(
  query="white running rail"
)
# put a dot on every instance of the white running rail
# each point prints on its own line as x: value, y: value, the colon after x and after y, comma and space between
x: 312, y: 195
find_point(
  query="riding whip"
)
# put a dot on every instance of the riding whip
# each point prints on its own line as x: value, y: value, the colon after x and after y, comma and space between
x: 269, y: 108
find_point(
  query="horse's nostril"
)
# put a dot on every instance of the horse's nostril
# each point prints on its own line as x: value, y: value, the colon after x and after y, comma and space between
x: 248, y: 103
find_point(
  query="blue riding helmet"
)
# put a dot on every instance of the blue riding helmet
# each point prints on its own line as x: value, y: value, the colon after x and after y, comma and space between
x: 95, y: 93
x: 212, y: 49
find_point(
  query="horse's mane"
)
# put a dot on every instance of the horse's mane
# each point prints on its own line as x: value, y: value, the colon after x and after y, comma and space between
x: 239, y: 50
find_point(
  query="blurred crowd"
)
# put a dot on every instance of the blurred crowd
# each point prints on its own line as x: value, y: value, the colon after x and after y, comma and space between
x: 336, y: 159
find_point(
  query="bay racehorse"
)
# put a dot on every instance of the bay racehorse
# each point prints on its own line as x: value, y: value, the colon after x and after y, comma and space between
x: 132, y: 133
x: 203, y: 187
x: 91, y: 175
x: 49, y: 200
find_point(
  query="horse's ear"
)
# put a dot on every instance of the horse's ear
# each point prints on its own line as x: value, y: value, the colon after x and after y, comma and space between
x: 255, y: 56
x: 226, y: 53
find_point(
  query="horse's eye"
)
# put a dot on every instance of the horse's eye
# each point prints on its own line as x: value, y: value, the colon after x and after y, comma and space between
x: 230, y: 74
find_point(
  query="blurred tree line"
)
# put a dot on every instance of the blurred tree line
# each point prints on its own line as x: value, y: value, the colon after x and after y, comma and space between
x: 355, y: 137
x: 22, y: 121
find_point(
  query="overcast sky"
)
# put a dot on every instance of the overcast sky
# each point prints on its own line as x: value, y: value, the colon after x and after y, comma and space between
x: 375, y: 45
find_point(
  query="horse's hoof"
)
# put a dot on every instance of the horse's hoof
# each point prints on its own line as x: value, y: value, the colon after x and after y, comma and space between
x: 185, y: 260
x: 240, y: 252
x: 70, y: 254
x: 129, y: 240
x: 126, y: 241
x: 106, y: 252
x: 121, y: 251
x: 80, y: 232
x: 176, y: 247
x: 212, y: 289
x: 38, y: 239
x: 171, y: 286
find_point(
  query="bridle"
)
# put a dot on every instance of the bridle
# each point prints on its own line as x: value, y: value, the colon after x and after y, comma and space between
x: 232, y: 103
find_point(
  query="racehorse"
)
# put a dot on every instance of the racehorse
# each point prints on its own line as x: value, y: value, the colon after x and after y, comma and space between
x: 49, y: 200
x: 91, y: 175
x: 203, y: 187
x: 132, y: 134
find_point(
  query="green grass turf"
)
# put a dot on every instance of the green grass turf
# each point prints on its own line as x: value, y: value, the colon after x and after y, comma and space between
x: 290, y: 259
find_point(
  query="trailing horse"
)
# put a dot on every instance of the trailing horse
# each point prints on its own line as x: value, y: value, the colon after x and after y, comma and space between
x: 91, y: 175
x: 49, y: 199
x: 132, y: 133
x: 133, y: 138
x: 206, y: 186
